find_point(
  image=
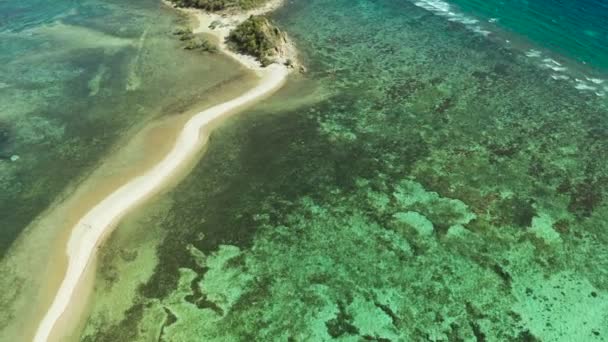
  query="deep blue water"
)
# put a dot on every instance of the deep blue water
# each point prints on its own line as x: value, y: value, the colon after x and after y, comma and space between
x: 576, y: 29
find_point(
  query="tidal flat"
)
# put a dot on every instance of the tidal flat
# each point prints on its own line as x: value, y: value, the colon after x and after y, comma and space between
x: 74, y: 86
x: 79, y: 83
x: 420, y: 182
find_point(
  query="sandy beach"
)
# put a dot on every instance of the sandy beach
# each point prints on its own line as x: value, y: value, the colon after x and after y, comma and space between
x: 219, y: 25
x: 90, y: 230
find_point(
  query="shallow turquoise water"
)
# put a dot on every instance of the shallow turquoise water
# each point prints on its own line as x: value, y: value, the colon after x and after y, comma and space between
x: 446, y: 187
x: 74, y: 77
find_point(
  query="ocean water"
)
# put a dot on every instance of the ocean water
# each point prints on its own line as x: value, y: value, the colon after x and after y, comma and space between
x: 424, y: 181
x: 575, y: 29
x: 77, y: 76
x: 569, y: 39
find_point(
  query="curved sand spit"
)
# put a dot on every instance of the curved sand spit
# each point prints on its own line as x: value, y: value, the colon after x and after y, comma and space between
x: 99, y: 221
x: 91, y: 229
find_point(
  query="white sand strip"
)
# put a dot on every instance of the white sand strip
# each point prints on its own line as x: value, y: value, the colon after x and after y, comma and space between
x: 90, y: 231
x: 98, y: 222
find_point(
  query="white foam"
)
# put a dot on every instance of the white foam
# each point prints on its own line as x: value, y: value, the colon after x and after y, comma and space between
x: 434, y: 5
x: 552, y: 61
x: 555, y: 68
x: 553, y: 65
x: 461, y: 19
x: 469, y: 21
x: 595, y: 80
x: 533, y: 53
x: 582, y: 85
x: 485, y: 33
x: 444, y: 9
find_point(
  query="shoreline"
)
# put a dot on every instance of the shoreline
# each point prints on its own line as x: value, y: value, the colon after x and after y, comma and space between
x: 90, y: 231
x: 35, y: 277
x: 224, y: 22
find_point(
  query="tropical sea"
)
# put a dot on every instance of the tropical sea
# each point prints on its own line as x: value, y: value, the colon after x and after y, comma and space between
x: 437, y: 174
x: 561, y: 37
x: 425, y: 180
x: 75, y: 77
x: 576, y: 30
x: 79, y: 79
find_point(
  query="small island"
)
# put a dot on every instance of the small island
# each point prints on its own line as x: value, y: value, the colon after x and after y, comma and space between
x: 242, y: 27
x: 258, y: 37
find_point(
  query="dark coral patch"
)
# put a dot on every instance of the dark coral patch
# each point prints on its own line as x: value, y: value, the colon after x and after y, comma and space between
x: 515, y: 211
x: 5, y: 139
x: 585, y: 197
x: 342, y: 324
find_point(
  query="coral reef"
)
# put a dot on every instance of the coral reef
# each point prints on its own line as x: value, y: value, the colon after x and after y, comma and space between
x: 443, y: 189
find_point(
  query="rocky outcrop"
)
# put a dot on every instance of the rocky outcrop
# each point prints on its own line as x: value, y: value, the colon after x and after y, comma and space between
x: 259, y: 37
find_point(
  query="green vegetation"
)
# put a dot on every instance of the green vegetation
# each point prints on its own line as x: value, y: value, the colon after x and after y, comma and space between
x: 194, y: 42
x: 218, y: 5
x: 257, y: 37
x: 201, y: 44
